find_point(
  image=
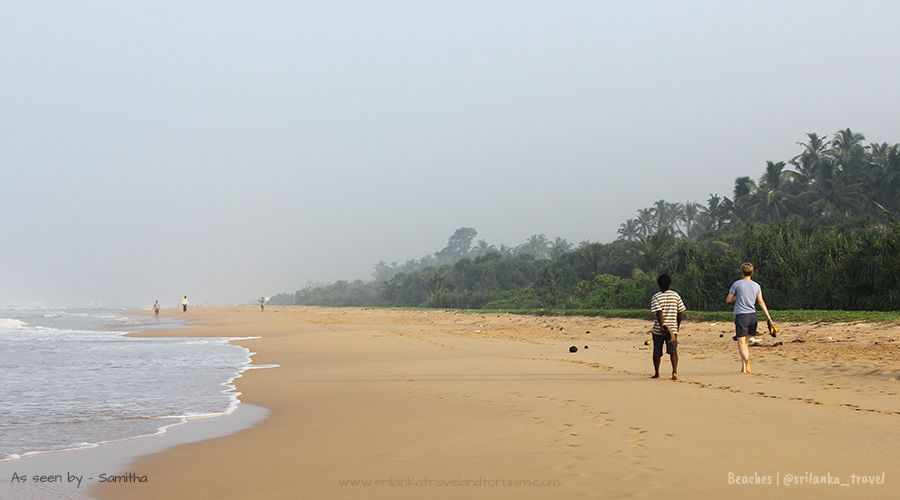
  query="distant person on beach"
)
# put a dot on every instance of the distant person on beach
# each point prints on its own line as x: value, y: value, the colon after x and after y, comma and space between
x: 156, y: 308
x: 746, y: 293
x: 262, y: 304
x: 184, y: 304
x: 668, y: 309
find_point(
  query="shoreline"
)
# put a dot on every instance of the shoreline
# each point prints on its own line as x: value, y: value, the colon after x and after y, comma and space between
x: 114, y: 457
x: 406, y: 404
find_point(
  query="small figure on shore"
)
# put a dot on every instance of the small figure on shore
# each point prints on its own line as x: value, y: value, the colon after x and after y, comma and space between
x: 184, y: 304
x: 262, y: 304
x: 156, y: 308
x: 746, y: 293
x: 668, y: 309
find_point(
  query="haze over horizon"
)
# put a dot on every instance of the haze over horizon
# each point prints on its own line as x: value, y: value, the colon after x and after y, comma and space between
x: 226, y: 150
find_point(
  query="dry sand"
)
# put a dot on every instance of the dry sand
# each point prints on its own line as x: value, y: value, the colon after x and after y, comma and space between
x: 414, y: 398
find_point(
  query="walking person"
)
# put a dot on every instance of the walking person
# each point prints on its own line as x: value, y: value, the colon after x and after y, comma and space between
x: 184, y: 304
x: 156, y: 309
x: 262, y: 304
x: 668, y: 310
x: 746, y: 293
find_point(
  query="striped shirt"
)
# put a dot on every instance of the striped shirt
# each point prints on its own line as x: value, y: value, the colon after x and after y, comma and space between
x: 670, y: 303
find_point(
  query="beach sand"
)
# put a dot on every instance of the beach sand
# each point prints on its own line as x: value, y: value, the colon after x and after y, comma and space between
x: 410, y: 401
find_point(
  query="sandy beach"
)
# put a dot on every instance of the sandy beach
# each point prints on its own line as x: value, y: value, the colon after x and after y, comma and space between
x: 433, y: 404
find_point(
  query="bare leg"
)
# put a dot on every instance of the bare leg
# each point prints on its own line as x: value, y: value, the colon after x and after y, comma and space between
x: 656, y: 360
x: 674, y: 357
x: 744, y: 349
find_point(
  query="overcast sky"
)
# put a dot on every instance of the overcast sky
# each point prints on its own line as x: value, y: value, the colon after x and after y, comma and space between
x: 227, y: 150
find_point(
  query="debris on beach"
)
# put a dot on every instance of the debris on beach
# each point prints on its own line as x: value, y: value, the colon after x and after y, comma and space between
x: 573, y: 349
x: 585, y: 347
x: 646, y: 342
x: 797, y: 341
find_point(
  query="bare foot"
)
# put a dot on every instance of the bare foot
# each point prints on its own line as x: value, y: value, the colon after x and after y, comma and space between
x: 674, y: 376
x: 656, y: 375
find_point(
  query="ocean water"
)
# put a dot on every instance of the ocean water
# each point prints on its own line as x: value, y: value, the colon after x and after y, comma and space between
x: 67, y: 381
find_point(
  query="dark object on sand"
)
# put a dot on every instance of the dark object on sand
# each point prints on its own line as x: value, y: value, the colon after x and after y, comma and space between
x: 721, y: 335
x: 588, y: 331
x: 585, y: 347
x: 573, y: 349
x: 646, y: 342
x: 797, y: 341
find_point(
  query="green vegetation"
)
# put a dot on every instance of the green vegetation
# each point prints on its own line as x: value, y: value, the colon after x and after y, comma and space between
x: 821, y: 229
x: 804, y: 315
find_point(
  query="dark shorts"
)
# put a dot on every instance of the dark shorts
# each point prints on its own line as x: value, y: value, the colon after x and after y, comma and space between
x: 671, y: 346
x: 745, y: 324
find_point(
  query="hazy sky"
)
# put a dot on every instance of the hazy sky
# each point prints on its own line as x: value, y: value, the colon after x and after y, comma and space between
x: 228, y: 150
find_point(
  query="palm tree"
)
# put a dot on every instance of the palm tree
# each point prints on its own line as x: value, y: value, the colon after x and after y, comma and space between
x: 716, y: 212
x: 537, y: 246
x: 830, y: 196
x: 689, y: 215
x: 744, y: 189
x: 434, y: 280
x: 667, y: 215
x: 650, y: 252
x: 809, y: 162
x: 559, y: 247
x: 848, y: 151
x: 776, y: 195
x: 646, y: 221
x: 886, y: 185
x: 629, y: 230
x: 482, y: 248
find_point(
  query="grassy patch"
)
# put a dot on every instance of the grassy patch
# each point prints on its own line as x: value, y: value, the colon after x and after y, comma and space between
x: 794, y: 315
x: 805, y: 316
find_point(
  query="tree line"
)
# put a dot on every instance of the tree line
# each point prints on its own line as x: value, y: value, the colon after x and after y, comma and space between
x: 821, y: 229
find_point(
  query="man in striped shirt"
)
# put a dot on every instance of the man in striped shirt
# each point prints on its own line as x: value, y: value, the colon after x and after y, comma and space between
x: 668, y: 309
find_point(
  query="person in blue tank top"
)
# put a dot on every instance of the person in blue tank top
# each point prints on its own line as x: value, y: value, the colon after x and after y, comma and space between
x: 746, y: 293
